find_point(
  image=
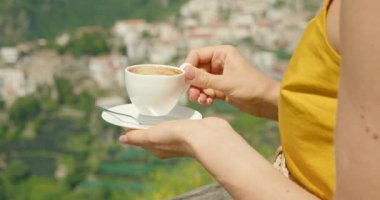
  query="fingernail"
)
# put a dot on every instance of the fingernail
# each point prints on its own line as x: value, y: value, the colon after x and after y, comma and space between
x: 209, y: 101
x: 200, y: 101
x: 123, y: 139
x: 189, y: 73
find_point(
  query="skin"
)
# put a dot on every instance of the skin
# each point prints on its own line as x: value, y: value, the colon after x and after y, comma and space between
x: 247, y: 175
x: 252, y: 92
x: 358, y: 129
x: 245, y: 167
x: 215, y: 77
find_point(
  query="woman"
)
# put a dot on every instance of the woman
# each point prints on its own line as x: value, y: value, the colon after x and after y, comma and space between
x: 338, y: 53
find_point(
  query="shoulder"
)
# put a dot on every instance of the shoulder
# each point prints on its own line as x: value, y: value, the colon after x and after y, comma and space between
x: 332, y: 24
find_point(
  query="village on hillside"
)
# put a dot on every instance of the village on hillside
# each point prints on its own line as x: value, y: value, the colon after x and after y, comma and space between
x: 265, y: 32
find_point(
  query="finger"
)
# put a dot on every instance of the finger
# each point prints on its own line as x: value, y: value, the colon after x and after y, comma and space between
x: 214, y: 93
x: 209, y: 101
x: 189, y: 73
x: 193, y: 93
x: 205, y: 55
x: 201, y: 79
x: 202, y: 98
x: 134, y: 137
x: 213, y: 56
x: 200, y: 56
x: 205, y: 67
x: 209, y: 92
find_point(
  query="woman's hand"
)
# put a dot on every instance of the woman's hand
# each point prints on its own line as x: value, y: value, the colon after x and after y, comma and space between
x: 222, y: 72
x: 181, y: 138
x: 243, y: 172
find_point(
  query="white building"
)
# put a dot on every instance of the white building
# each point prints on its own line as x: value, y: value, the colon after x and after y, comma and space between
x: 62, y: 39
x: 133, y: 33
x: 163, y: 31
x: 41, y: 67
x: 108, y: 71
x: 13, y: 84
x: 162, y: 51
x: 129, y: 28
x: 222, y: 31
x: 196, y: 9
x: 264, y: 61
x: 9, y: 54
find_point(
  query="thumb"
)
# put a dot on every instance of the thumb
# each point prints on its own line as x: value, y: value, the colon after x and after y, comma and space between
x: 202, y: 79
x: 134, y: 137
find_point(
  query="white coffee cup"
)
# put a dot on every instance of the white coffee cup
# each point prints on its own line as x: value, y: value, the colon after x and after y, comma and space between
x: 152, y: 93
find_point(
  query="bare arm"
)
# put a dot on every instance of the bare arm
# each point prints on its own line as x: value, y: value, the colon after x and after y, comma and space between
x: 240, y: 169
x: 358, y: 128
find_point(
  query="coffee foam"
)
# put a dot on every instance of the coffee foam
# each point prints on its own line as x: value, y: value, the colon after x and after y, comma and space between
x: 155, y: 70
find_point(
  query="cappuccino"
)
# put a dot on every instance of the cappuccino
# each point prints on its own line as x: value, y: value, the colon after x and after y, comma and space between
x: 155, y: 70
x: 155, y: 89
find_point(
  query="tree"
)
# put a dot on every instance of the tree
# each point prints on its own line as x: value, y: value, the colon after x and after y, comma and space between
x: 3, y: 189
x: 3, y: 131
x: 76, y: 176
x: 24, y: 109
x: 87, y: 44
x: 2, y: 104
x: 65, y: 91
x: 86, y: 102
x: 17, y: 171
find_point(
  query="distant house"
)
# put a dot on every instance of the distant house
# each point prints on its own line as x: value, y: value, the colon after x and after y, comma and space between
x: 107, y: 71
x: 62, y: 39
x: 41, y: 67
x: 264, y: 61
x: 163, y: 51
x: 125, y: 27
x: 9, y: 54
x: 132, y: 32
x: 164, y: 31
x: 196, y: 40
x: 13, y: 84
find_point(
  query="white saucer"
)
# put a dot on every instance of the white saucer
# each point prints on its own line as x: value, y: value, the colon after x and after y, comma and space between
x: 178, y: 112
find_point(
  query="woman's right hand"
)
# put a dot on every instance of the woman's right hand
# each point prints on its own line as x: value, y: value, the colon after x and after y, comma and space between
x: 222, y: 72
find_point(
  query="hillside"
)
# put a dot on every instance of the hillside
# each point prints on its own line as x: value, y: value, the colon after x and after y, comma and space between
x: 31, y: 19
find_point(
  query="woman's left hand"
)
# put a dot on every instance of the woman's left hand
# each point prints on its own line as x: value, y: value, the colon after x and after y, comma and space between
x: 180, y: 138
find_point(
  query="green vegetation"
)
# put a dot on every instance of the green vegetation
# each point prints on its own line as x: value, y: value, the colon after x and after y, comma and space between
x: 24, y: 109
x: 282, y: 54
x: 86, y: 44
x: 65, y: 91
x: 54, y: 142
x: 17, y: 171
x: 32, y: 19
x: 84, y: 150
x: 278, y: 4
x: 76, y: 176
x: 2, y: 104
x: 312, y: 5
x: 70, y: 139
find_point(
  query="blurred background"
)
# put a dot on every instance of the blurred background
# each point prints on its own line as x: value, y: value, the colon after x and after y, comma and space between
x: 58, y: 58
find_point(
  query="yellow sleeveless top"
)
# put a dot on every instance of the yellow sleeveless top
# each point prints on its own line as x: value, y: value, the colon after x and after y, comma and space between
x: 307, y: 109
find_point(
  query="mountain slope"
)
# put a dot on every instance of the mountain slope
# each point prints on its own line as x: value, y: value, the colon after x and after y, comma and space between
x: 31, y: 19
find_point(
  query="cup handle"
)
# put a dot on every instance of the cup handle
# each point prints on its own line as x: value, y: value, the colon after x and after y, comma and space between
x: 187, y: 85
